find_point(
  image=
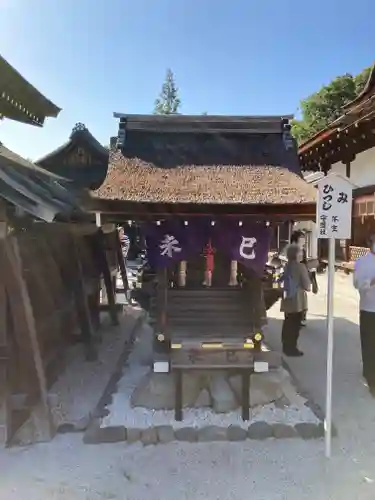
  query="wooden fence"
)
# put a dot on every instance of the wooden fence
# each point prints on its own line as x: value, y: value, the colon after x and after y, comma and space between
x: 49, y: 298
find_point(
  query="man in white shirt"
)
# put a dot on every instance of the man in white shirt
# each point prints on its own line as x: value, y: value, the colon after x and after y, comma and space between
x: 364, y: 282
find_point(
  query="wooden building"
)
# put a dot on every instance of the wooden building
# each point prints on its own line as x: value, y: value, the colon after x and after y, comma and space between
x: 51, y: 261
x: 195, y: 165
x: 82, y: 160
x: 200, y: 173
x: 31, y: 190
x: 347, y: 147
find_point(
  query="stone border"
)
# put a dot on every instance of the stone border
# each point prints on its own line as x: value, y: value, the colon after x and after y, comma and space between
x: 163, y: 434
x: 100, y: 410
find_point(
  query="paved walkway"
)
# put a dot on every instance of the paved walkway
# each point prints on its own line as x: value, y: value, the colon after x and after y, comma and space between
x: 353, y: 407
x: 272, y: 470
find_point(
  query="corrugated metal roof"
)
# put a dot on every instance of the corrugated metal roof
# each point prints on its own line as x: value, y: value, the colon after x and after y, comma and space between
x: 33, y: 189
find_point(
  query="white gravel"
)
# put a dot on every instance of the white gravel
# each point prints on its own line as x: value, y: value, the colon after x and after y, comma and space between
x: 79, y: 388
x: 122, y: 412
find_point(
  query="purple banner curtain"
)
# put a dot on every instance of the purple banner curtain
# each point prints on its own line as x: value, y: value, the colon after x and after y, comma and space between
x: 173, y: 241
x: 248, y: 243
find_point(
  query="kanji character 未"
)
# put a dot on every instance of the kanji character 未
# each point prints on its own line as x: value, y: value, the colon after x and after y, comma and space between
x: 169, y: 245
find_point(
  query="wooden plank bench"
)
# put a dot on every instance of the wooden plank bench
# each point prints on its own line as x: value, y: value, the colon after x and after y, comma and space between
x: 347, y: 267
x: 233, y: 358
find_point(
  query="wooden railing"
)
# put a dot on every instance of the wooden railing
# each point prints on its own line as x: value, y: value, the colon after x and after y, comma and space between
x: 357, y: 252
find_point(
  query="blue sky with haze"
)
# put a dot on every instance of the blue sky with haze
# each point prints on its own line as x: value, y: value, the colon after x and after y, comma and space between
x: 94, y: 57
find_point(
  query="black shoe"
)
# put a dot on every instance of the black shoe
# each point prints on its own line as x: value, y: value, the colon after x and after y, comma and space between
x: 292, y: 353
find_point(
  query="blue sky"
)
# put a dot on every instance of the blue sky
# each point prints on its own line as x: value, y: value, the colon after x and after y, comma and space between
x: 94, y: 57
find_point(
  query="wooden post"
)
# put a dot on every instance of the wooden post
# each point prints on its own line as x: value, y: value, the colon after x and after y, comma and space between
x: 182, y: 273
x: 5, y: 410
x: 178, y: 396
x: 278, y: 237
x: 98, y: 219
x: 161, y: 300
x: 246, y: 374
x: 290, y: 230
x: 82, y: 305
x: 121, y: 263
x: 100, y: 292
x: 104, y: 268
x: 233, y: 273
x: 14, y: 258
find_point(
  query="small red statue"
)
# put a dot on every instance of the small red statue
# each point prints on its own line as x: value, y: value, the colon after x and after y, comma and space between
x: 209, y: 254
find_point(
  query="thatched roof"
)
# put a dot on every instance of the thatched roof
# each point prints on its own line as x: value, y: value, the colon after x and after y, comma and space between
x: 214, y: 161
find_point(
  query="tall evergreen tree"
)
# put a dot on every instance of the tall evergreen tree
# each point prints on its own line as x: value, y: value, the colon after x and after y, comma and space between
x: 168, y: 102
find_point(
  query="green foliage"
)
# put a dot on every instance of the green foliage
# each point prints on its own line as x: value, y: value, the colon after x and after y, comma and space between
x: 361, y: 80
x: 323, y: 107
x: 168, y: 102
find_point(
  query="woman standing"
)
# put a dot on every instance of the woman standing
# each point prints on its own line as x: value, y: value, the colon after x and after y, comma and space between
x: 299, y: 238
x: 294, y: 302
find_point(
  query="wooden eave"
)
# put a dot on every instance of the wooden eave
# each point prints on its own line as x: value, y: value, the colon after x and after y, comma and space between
x: 127, y: 210
x: 352, y: 133
x: 341, y: 144
x: 21, y: 101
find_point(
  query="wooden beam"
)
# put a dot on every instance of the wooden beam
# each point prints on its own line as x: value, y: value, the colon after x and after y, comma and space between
x: 5, y: 411
x: 152, y: 211
x: 121, y: 264
x: 105, y: 271
x: 98, y: 220
x: 82, y: 305
x: 161, y: 300
x: 14, y: 258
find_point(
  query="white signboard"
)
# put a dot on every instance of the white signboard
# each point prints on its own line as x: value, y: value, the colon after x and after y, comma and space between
x: 334, y: 207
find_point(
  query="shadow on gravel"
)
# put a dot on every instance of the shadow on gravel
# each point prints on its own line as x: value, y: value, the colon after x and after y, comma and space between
x: 310, y: 370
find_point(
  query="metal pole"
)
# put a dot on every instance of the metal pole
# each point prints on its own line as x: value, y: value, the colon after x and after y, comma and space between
x: 314, y: 241
x: 330, y: 294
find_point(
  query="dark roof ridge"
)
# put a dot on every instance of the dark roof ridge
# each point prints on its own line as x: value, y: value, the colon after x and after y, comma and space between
x: 79, y: 132
x: 203, y: 118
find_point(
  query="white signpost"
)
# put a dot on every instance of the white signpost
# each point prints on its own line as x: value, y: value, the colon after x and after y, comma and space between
x: 334, y: 222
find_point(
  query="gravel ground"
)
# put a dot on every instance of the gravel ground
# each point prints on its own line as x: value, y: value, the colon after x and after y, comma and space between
x: 272, y: 470
x: 121, y: 411
x: 80, y: 387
